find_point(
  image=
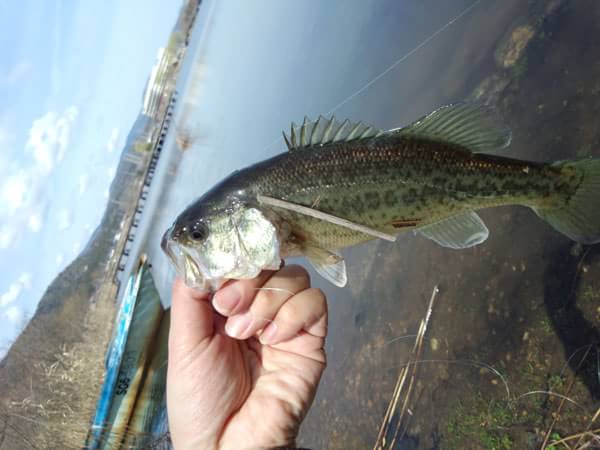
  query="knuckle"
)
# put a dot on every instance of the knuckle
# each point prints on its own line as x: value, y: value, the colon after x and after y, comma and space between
x: 289, y: 313
x: 300, y: 275
x: 319, y: 299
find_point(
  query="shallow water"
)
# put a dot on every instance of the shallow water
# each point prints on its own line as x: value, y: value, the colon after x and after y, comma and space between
x: 523, y: 302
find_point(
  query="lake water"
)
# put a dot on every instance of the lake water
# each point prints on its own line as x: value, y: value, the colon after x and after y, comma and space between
x: 523, y: 303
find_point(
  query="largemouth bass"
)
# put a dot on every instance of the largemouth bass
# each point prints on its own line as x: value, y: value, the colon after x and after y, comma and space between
x: 341, y: 184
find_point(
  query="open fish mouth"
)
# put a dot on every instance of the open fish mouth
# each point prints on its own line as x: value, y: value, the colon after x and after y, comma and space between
x: 185, y: 264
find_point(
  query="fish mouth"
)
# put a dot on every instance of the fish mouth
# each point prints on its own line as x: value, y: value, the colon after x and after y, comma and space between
x: 185, y: 264
x: 166, y: 245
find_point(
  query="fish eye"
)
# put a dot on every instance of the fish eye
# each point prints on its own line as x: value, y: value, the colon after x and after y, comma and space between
x: 198, y: 231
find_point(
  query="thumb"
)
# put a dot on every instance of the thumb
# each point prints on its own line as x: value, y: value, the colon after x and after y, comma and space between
x: 192, y: 319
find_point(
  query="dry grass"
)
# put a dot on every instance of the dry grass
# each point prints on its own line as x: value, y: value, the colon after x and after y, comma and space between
x: 398, y: 407
x: 52, y: 394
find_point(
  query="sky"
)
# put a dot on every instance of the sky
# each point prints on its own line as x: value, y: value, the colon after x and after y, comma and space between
x: 72, y: 76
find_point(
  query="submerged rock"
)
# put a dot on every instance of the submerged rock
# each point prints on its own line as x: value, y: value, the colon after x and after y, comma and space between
x: 513, y: 45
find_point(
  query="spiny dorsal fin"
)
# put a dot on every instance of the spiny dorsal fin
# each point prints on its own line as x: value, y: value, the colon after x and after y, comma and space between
x: 476, y: 127
x: 326, y: 131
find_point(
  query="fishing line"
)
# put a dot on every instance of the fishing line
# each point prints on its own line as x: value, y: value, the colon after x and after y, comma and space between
x: 423, y: 43
x: 399, y: 61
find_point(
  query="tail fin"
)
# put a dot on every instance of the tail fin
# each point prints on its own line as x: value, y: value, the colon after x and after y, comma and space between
x: 579, y: 217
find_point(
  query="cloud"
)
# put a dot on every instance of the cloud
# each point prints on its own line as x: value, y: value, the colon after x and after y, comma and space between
x: 111, y: 172
x: 84, y: 179
x: 112, y: 141
x: 7, y: 236
x: 49, y: 138
x: 15, y: 289
x: 14, y: 192
x: 25, y: 280
x: 64, y: 219
x: 13, y: 292
x: 14, y: 314
x: 77, y: 246
x: 60, y: 258
x: 35, y: 222
x: 15, y: 73
x: 25, y: 181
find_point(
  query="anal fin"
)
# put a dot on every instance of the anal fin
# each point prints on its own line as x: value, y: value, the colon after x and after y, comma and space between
x: 461, y: 231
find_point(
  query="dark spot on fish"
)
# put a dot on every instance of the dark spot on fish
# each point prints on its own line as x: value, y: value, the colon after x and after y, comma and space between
x: 355, y: 204
x: 438, y: 180
x: 407, y: 199
x: 389, y: 198
x: 372, y: 199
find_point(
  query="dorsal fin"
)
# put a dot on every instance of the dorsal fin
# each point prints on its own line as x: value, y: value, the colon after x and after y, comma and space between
x: 326, y: 131
x: 475, y: 127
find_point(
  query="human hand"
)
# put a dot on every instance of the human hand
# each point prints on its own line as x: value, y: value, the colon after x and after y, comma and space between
x: 244, y: 377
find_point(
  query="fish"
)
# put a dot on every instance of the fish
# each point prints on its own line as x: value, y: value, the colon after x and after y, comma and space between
x: 344, y: 183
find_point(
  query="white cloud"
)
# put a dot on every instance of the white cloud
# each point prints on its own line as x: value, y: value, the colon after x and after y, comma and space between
x: 14, y: 314
x: 111, y: 172
x: 35, y: 222
x: 13, y: 292
x: 15, y: 289
x: 60, y: 258
x: 13, y: 193
x: 49, y: 138
x: 112, y: 141
x: 24, y: 184
x: 64, y: 219
x: 25, y: 280
x: 83, y: 183
x: 7, y: 236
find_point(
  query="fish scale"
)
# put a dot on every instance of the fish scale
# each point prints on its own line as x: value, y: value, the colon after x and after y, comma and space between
x: 420, y: 180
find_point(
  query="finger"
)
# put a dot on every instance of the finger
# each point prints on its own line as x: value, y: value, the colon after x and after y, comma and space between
x: 306, y: 311
x: 267, y: 300
x: 192, y: 318
x: 236, y: 295
x: 304, y: 344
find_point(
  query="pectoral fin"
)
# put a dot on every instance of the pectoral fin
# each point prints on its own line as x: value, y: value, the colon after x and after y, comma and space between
x: 324, y: 216
x: 328, y: 264
x: 460, y: 231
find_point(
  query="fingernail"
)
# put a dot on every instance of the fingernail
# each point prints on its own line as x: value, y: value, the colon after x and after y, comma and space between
x: 226, y: 300
x: 236, y: 326
x: 268, y: 334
